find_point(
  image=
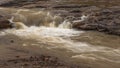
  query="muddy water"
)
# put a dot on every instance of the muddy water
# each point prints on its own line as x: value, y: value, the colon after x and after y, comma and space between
x: 42, y: 32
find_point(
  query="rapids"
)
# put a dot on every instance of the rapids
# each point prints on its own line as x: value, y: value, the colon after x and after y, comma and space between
x: 53, y: 34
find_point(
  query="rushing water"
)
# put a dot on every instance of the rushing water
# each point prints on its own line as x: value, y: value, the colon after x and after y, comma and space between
x: 54, y: 35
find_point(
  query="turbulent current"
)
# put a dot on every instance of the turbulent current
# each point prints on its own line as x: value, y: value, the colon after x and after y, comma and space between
x: 53, y: 34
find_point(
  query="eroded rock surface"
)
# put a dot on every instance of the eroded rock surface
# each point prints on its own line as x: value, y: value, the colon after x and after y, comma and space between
x: 106, y: 20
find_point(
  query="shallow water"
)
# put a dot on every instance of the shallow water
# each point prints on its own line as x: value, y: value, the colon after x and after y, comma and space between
x: 86, y: 48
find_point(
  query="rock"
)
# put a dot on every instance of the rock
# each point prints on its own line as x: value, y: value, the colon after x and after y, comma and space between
x: 106, y: 20
x: 4, y: 23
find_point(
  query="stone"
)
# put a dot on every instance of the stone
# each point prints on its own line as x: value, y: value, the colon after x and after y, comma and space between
x: 4, y: 23
x: 106, y: 20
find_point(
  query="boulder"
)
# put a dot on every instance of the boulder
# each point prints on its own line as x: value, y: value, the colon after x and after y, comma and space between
x: 4, y: 23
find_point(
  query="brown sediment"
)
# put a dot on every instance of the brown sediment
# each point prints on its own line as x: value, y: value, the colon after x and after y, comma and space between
x: 41, y: 61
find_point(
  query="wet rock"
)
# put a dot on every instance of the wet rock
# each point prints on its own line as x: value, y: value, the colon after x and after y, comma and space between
x: 70, y: 6
x: 106, y: 20
x: 5, y: 1
x: 4, y: 23
x: 75, y: 11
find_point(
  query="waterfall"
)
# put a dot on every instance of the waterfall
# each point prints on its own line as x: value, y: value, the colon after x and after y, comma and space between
x: 65, y: 24
x: 23, y: 18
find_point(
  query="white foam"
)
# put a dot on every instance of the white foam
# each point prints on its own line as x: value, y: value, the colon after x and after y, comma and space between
x: 65, y: 24
x: 84, y: 57
x: 83, y: 17
x: 42, y: 31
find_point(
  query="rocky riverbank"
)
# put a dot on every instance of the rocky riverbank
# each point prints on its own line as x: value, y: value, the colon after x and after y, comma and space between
x: 105, y: 20
x: 41, y: 61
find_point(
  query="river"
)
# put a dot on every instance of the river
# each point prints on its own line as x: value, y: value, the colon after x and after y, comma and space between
x: 50, y: 34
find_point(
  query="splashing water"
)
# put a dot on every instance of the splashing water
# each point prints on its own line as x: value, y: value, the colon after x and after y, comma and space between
x: 65, y: 24
x: 83, y: 17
